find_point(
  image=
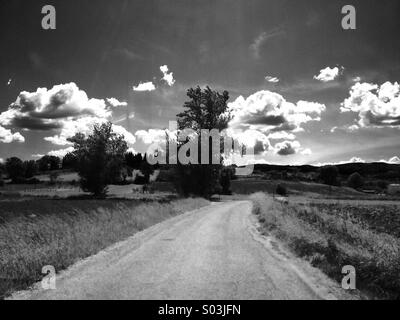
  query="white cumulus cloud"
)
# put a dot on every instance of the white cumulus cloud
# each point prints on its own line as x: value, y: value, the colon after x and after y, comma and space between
x: 115, y: 103
x: 168, y: 76
x: 85, y: 126
x: 250, y: 138
x: 151, y: 136
x: 143, y: 87
x: 269, y: 112
x: 329, y: 74
x: 377, y: 106
x: 6, y: 136
x: 44, y: 109
x: 60, y: 153
x: 268, y: 116
x: 63, y: 110
x: 287, y: 148
x: 306, y: 152
x: 281, y: 135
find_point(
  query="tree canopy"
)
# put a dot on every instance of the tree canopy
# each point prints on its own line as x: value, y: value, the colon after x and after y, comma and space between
x: 205, y: 110
x: 100, y: 158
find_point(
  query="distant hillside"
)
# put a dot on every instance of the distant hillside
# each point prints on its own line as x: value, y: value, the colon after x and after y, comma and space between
x: 377, y: 169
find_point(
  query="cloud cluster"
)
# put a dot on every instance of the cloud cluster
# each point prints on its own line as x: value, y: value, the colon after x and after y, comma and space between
x: 151, y: 136
x: 281, y: 135
x: 329, y: 74
x: 260, y: 118
x: 250, y: 138
x: 65, y: 109
x: 115, y: 103
x: 6, y: 136
x: 270, y: 112
x: 156, y: 139
x: 345, y: 128
x: 168, y: 76
x: 60, y: 153
x: 85, y: 125
x: 287, y: 148
x: 352, y: 160
x: 45, y: 109
x: 377, y: 106
x: 394, y: 160
x: 268, y: 116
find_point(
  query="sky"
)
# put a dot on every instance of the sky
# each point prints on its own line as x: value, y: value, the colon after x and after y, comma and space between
x: 302, y: 89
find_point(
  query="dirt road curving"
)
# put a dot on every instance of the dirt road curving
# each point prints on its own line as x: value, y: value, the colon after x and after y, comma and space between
x: 211, y: 253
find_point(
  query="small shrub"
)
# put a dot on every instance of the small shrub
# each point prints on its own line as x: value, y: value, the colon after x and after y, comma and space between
x: 225, y: 181
x: 281, y: 190
x: 329, y: 175
x: 355, y: 181
x: 382, y: 184
x: 32, y: 181
x: 53, y: 176
x: 140, y: 180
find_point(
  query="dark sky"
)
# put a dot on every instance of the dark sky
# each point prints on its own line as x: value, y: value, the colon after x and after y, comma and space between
x: 107, y: 47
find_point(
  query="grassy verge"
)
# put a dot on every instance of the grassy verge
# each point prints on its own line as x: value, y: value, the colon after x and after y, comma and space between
x: 36, y: 233
x: 332, y: 237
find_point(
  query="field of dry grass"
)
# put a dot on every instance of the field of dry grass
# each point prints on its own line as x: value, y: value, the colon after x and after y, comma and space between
x: 331, y: 236
x: 36, y: 233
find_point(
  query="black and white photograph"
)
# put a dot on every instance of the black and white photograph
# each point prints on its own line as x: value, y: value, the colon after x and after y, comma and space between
x: 199, y: 154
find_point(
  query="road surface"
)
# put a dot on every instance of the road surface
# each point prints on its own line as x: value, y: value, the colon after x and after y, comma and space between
x: 211, y: 253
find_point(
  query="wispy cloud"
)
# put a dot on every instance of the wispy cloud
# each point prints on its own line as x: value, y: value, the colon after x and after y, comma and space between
x: 127, y: 54
x: 272, y: 79
x: 263, y: 37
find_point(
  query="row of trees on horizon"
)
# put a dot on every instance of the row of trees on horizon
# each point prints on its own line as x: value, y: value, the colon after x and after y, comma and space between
x: 20, y: 171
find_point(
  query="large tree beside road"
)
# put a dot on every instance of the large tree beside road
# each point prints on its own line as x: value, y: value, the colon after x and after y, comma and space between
x: 206, y: 109
x: 100, y: 158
